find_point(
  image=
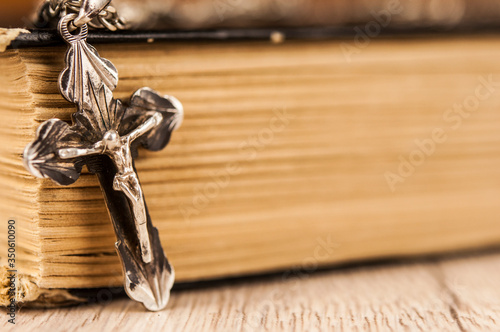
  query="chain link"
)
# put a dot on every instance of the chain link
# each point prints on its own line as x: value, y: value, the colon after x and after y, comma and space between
x: 52, y: 10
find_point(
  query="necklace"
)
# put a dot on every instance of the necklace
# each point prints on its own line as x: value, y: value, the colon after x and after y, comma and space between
x: 104, y: 135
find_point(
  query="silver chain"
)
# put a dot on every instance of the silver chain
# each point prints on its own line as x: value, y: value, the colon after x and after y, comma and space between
x: 52, y: 10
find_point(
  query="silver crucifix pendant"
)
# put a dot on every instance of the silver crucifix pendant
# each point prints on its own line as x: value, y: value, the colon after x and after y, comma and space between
x: 104, y: 136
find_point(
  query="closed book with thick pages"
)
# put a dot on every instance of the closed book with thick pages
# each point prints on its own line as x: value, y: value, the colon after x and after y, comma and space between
x: 292, y: 156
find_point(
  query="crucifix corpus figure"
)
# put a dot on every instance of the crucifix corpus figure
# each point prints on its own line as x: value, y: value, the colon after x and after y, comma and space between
x: 125, y: 180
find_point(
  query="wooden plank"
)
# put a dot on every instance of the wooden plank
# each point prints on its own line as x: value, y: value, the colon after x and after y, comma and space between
x: 449, y: 294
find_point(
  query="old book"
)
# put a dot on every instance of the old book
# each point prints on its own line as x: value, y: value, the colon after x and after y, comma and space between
x: 291, y: 157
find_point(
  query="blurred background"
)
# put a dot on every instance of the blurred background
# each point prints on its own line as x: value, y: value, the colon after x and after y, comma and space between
x: 197, y: 14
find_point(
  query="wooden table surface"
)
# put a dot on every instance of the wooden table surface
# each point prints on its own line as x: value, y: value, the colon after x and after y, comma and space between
x: 460, y: 293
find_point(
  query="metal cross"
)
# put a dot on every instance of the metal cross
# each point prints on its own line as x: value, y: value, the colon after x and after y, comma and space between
x: 104, y: 136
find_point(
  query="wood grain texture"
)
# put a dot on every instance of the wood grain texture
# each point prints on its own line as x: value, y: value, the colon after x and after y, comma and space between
x: 448, y: 294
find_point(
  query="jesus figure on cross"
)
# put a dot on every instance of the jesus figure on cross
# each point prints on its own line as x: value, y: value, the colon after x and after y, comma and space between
x: 126, y: 180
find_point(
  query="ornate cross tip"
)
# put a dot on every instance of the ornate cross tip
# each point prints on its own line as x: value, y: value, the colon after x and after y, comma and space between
x: 104, y: 136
